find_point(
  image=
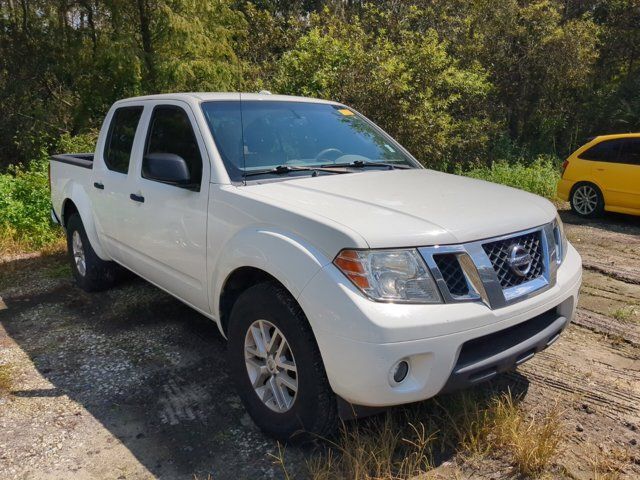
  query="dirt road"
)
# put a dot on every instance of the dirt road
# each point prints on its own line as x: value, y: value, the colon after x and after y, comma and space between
x: 132, y: 384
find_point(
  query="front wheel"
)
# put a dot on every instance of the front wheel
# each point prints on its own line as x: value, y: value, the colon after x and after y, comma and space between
x: 587, y: 200
x: 277, y: 367
x: 90, y: 271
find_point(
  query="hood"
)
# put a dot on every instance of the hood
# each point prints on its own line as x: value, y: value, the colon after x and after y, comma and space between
x: 418, y: 207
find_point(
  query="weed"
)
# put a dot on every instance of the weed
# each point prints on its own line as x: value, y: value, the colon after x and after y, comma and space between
x: 387, y: 447
x: 625, y: 314
x: 6, y: 379
x: 403, y: 443
x: 609, y: 465
x: 532, y: 439
x: 279, y: 461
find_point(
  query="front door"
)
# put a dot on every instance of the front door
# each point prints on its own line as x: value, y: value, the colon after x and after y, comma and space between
x: 168, y: 238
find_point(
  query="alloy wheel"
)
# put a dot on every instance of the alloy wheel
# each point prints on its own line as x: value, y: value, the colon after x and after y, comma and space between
x: 585, y: 200
x: 78, y: 253
x: 271, y: 366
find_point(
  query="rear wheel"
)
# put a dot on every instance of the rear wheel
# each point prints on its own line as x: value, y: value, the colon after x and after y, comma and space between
x: 587, y: 200
x: 277, y: 366
x: 90, y: 271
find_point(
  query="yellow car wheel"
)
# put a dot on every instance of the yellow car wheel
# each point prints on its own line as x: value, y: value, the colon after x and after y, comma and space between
x: 587, y: 200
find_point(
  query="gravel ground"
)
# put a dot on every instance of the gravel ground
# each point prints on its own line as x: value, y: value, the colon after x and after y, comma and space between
x: 131, y: 384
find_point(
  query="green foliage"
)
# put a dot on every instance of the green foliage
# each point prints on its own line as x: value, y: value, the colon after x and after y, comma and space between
x: 25, y: 198
x: 24, y: 203
x: 193, y: 48
x: 62, y: 64
x: 410, y: 86
x: 539, y: 177
x: 83, y: 143
x: 454, y: 80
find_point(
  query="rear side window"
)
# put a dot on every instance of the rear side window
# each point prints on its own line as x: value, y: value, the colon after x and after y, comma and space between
x: 122, y: 131
x: 171, y: 132
x: 631, y: 151
x: 607, y: 151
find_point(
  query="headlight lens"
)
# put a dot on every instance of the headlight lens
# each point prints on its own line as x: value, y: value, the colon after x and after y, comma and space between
x: 561, y: 240
x: 389, y: 275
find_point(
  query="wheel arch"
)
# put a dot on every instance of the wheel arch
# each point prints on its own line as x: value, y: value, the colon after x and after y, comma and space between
x: 235, y: 284
x: 586, y: 182
x: 257, y: 255
x: 68, y: 209
x: 77, y: 201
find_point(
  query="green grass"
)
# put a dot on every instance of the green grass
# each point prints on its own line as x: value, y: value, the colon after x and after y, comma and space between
x: 540, y: 176
x: 625, y: 314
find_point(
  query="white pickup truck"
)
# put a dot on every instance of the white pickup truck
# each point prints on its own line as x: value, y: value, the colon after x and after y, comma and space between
x: 343, y: 273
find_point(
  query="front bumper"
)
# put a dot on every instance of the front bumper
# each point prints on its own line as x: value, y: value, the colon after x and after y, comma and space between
x: 360, y: 340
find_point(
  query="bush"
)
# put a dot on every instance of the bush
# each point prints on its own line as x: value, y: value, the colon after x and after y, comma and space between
x: 24, y: 203
x: 25, y: 222
x: 539, y: 177
x: 409, y: 85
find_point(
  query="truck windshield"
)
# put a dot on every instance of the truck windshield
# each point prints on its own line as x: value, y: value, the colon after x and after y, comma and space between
x: 258, y: 137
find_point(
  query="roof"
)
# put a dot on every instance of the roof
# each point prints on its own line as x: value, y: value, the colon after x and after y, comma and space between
x: 212, y: 96
x: 614, y: 136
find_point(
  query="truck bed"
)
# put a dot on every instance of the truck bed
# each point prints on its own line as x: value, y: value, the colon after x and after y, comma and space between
x: 84, y: 160
x: 69, y: 172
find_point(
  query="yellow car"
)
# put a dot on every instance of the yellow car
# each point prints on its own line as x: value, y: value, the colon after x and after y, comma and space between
x: 603, y: 175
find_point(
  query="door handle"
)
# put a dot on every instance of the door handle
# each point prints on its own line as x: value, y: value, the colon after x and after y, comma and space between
x: 98, y: 185
x: 600, y: 169
x: 136, y: 198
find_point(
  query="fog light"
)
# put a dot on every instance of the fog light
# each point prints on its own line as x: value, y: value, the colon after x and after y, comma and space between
x: 400, y: 371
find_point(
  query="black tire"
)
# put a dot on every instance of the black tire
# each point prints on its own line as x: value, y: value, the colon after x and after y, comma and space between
x: 314, y: 412
x: 578, y: 205
x: 98, y: 274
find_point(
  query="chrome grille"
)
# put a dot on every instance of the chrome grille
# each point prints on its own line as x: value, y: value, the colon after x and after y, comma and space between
x: 480, y: 271
x: 452, y: 274
x: 500, y: 250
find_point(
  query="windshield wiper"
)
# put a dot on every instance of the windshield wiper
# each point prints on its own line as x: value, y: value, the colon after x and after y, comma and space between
x: 363, y: 164
x: 284, y: 169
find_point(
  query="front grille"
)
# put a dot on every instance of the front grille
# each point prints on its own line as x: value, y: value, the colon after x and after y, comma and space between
x: 452, y: 274
x: 500, y: 250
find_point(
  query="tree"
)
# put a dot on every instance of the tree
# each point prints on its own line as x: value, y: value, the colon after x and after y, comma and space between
x: 411, y: 86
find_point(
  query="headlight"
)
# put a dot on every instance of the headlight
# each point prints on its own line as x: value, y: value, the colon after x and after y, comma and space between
x: 561, y: 240
x: 389, y: 275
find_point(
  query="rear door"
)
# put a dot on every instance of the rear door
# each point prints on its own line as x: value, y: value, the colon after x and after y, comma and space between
x: 110, y: 180
x: 629, y: 172
x: 166, y: 241
x: 605, y: 168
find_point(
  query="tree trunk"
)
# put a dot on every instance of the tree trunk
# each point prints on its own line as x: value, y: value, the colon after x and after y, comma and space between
x: 148, y: 52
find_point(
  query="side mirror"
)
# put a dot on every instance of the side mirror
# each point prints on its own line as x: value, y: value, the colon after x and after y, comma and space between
x: 166, y: 168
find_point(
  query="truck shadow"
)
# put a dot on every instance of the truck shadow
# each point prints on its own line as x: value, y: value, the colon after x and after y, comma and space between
x: 152, y: 372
